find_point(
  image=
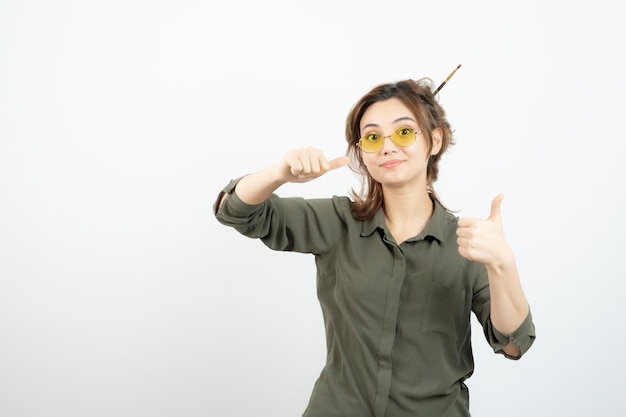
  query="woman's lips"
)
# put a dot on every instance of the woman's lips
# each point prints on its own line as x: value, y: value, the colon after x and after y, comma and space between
x: 392, y: 163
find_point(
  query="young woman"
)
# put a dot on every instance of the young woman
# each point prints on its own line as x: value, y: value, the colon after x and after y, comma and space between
x: 397, y: 274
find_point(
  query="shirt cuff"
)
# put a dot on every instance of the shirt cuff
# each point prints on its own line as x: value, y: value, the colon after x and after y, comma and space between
x: 235, y: 205
x: 523, y: 337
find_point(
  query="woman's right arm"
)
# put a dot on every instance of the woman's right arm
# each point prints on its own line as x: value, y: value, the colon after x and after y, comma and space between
x: 300, y: 165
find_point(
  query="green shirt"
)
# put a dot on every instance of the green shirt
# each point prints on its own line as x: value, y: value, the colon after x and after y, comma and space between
x: 397, y: 317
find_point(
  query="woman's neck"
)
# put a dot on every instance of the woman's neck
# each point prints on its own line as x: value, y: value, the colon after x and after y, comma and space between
x: 407, y: 212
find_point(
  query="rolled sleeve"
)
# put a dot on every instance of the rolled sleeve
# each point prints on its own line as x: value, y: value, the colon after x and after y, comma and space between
x: 219, y: 208
x: 243, y: 217
x: 523, y: 337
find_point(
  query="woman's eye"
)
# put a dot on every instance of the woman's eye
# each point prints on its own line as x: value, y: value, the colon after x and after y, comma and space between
x: 372, y: 137
x: 405, y: 131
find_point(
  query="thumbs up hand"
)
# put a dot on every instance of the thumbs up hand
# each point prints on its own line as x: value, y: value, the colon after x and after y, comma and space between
x: 482, y: 240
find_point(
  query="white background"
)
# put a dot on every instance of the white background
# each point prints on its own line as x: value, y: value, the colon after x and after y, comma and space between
x: 120, y: 121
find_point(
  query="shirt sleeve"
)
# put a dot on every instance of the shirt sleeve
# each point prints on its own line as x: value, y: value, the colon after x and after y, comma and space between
x: 523, y: 337
x: 286, y: 224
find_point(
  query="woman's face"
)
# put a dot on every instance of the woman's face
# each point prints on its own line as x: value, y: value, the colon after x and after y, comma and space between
x: 394, y: 165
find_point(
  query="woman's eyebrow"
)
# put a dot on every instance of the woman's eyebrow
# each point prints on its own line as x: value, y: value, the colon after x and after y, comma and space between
x: 399, y: 119
x: 369, y: 125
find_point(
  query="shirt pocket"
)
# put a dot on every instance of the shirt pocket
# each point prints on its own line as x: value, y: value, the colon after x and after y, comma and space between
x: 445, y: 312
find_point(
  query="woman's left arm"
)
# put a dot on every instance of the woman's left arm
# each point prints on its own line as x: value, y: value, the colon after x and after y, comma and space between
x: 482, y: 240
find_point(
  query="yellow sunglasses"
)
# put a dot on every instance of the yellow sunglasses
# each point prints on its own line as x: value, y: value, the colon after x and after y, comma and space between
x: 373, y: 142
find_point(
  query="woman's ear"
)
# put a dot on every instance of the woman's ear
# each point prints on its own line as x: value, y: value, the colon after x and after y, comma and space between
x: 437, y: 135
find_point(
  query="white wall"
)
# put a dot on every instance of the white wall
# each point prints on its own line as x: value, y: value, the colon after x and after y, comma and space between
x: 121, y: 295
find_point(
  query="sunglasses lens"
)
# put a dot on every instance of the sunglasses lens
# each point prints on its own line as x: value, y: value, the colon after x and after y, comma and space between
x: 404, y: 136
x: 371, y: 143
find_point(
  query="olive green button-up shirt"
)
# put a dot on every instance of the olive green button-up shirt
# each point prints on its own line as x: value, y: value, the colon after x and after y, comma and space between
x: 397, y: 317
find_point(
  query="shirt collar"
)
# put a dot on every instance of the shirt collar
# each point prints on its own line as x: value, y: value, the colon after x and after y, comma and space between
x: 435, y: 226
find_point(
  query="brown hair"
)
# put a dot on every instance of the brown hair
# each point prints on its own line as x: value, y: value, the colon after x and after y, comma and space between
x: 418, y: 96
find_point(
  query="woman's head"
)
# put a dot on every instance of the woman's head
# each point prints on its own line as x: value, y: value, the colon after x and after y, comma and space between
x: 417, y: 97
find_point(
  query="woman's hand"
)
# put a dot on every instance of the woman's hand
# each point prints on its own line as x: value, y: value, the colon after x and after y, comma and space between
x: 482, y: 240
x: 305, y: 164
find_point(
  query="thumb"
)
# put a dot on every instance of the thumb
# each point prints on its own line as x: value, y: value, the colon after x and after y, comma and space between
x: 495, y: 208
x: 338, y: 162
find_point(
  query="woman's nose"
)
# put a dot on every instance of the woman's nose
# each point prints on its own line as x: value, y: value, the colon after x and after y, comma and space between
x: 388, y: 144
